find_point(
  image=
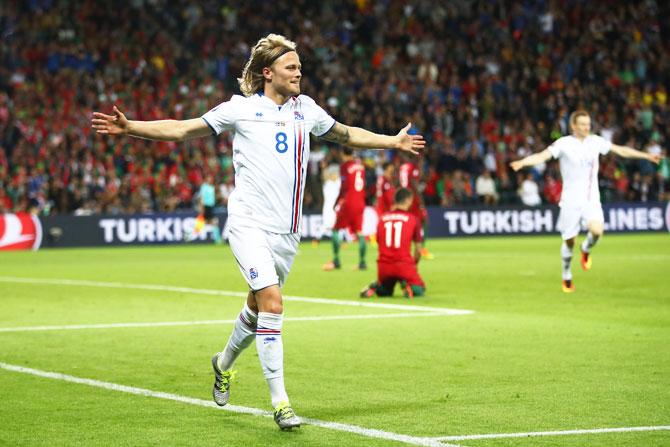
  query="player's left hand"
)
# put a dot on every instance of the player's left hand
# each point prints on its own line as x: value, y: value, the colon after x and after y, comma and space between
x: 655, y: 158
x: 116, y: 124
x: 409, y: 143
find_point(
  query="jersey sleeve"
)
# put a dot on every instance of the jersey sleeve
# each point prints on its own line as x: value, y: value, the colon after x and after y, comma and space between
x: 603, y: 145
x: 223, y: 116
x: 323, y: 122
x: 556, y: 148
x: 417, y: 235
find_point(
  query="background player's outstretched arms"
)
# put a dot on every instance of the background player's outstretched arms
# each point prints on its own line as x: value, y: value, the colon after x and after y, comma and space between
x: 162, y: 130
x: 531, y: 160
x: 356, y: 137
x: 629, y: 152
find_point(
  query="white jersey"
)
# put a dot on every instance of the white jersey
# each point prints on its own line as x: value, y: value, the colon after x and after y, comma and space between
x: 270, y: 153
x: 579, y: 162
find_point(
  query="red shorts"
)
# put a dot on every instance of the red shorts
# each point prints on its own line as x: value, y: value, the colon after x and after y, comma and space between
x: 350, y: 217
x: 390, y: 273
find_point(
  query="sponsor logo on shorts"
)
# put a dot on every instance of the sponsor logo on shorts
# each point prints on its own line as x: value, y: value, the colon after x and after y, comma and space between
x: 253, y: 273
x: 267, y: 340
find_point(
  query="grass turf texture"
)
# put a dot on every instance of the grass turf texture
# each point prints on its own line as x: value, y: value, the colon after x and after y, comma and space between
x: 530, y: 358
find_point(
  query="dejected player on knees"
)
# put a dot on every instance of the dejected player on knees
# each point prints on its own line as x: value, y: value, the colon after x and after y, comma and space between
x: 396, y: 231
x: 271, y: 126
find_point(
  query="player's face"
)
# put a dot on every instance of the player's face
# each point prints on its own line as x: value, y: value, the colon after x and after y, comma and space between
x: 285, y: 74
x: 582, y: 126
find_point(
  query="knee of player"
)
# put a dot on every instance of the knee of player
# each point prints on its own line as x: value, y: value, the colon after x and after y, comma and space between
x: 274, y: 307
x: 418, y: 290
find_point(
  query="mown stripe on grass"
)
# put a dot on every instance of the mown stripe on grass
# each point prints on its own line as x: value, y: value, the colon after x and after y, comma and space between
x: 208, y: 322
x: 176, y: 289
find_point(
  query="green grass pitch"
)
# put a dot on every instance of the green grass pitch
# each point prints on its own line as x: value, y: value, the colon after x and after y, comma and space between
x: 528, y: 359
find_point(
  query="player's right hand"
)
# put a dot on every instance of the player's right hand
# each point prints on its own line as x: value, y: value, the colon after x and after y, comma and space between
x: 516, y: 165
x: 116, y: 124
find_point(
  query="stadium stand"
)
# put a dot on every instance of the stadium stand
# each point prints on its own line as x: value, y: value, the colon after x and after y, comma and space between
x: 485, y: 82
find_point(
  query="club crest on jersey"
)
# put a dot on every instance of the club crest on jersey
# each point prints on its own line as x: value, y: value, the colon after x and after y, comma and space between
x: 253, y: 273
x: 298, y: 115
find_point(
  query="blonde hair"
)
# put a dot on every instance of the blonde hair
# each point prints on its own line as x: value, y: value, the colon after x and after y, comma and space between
x: 576, y: 114
x: 263, y: 54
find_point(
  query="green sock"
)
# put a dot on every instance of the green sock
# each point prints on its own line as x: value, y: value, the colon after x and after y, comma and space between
x: 362, y: 246
x: 336, y: 246
x: 217, y: 233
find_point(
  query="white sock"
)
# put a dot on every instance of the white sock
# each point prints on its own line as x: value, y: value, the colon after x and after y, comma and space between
x: 242, y: 336
x: 271, y: 354
x: 566, y: 255
x: 589, y: 242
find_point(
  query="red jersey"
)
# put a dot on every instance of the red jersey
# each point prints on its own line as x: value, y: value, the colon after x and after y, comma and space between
x: 395, y: 232
x: 385, y: 192
x: 352, y: 189
x: 409, y: 176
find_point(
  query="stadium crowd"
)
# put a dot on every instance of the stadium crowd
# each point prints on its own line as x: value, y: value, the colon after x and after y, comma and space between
x: 485, y: 82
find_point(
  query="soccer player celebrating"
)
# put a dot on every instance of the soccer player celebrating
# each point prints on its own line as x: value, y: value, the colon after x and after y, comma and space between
x: 270, y: 124
x: 349, y: 208
x: 408, y: 175
x: 396, y: 231
x: 578, y: 155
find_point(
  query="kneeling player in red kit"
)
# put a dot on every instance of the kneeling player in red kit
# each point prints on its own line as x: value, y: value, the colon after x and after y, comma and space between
x: 396, y: 231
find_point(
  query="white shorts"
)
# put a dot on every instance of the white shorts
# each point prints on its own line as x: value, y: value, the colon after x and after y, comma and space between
x: 328, y: 218
x: 264, y: 258
x: 572, y: 219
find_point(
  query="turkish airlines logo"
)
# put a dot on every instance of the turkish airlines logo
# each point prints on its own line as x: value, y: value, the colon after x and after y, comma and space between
x: 21, y: 231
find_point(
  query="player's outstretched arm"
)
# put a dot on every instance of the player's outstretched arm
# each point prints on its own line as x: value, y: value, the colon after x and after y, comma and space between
x: 356, y: 137
x: 531, y: 160
x: 629, y: 152
x: 162, y: 130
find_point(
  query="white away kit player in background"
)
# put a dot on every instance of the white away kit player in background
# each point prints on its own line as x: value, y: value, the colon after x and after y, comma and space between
x: 271, y: 125
x: 578, y: 155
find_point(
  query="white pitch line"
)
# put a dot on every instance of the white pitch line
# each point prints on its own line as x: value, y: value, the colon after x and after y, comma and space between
x: 118, y: 285
x: 554, y: 433
x: 207, y: 322
x: 368, y: 432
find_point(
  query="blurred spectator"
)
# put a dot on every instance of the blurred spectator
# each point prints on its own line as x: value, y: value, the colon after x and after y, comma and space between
x: 552, y: 189
x: 486, y: 189
x: 529, y: 192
